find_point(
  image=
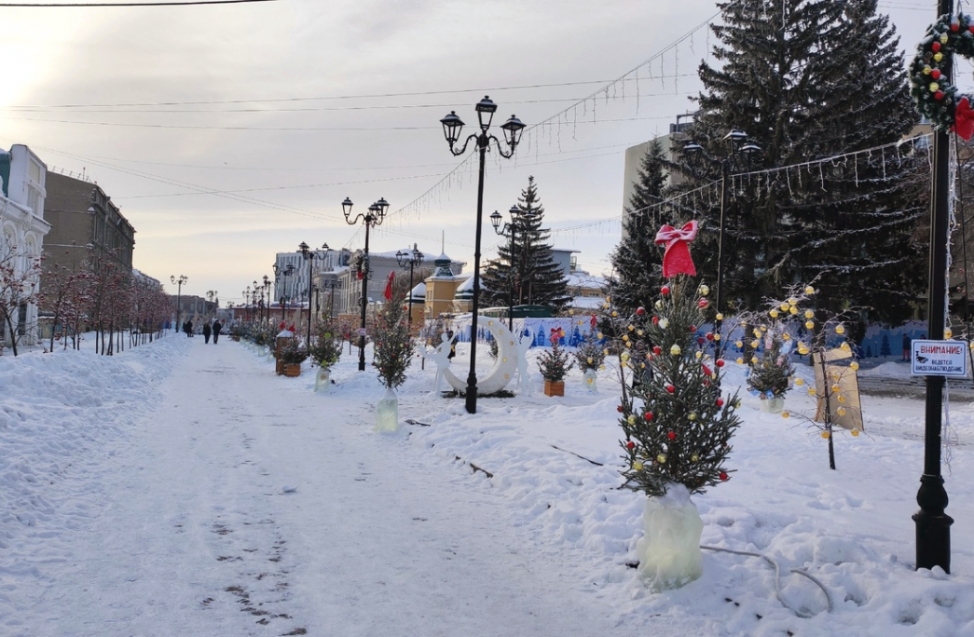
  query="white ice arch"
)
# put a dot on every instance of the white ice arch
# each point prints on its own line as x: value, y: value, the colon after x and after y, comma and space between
x: 504, y: 367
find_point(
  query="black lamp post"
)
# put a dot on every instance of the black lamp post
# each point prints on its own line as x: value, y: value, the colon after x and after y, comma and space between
x: 452, y: 125
x: 740, y: 148
x: 410, y: 259
x: 267, y: 307
x: 374, y: 217
x: 509, y: 229
x: 310, y: 256
x: 179, y: 283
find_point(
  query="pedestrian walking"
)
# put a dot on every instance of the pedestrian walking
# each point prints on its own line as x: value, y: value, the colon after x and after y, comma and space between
x: 189, y: 328
x: 217, y: 326
x: 906, y: 346
x: 206, y: 332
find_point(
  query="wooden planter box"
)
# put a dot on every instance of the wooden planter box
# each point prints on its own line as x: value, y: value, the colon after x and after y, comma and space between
x: 554, y: 388
x: 292, y: 370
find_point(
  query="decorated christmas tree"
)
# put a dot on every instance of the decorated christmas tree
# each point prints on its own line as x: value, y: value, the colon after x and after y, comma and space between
x: 555, y: 363
x: 590, y: 353
x: 393, y: 345
x: 770, y: 369
x: 676, y: 422
x: 326, y: 347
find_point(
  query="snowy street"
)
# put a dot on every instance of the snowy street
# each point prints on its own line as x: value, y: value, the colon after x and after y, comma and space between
x: 243, y: 504
x: 182, y: 489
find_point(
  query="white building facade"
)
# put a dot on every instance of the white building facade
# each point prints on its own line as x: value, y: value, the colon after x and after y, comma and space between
x: 22, y: 230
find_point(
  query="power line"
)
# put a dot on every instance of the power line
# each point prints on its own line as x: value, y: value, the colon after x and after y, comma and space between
x: 128, y: 4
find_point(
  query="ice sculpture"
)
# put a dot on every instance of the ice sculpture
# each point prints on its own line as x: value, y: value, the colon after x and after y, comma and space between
x: 669, y: 552
x: 387, y: 413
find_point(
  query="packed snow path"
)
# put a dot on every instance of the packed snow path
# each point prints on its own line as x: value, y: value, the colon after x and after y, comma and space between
x: 243, y: 505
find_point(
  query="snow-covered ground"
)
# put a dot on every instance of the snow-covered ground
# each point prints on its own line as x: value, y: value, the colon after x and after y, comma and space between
x: 183, y: 489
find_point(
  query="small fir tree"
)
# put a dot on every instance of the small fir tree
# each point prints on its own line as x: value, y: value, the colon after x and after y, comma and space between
x: 326, y: 348
x: 393, y: 345
x: 555, y: 363
x: 677, y: 424
x: 770, y: 369
x: 590, y: 353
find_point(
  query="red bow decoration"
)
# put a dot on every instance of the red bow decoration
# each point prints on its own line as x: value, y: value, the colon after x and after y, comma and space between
x: 388, y: 291
x: 557, y: 334
x: 676, y: 259
x: 964, y: 119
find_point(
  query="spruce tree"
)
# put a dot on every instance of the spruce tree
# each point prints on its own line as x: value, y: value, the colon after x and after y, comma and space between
x: 536, y: 278
x: 676, y: 422
x: 636, y: 261
x: 809, y: 79
x: 393, y: 345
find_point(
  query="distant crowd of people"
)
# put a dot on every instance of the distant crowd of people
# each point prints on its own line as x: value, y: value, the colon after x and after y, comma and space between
x: 209, y: 328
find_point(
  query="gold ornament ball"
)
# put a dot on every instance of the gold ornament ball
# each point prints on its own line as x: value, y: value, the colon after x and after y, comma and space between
x: 720, y: 317
x: 739, y: 343
x: 716, y: 337
x: 937, y: 57
x: 658, y: 305
x: 757, y: 332
x: 811, y: 391
x: 754, y: 360
x: 793, y: 310
x: 589, y: 360
x: 855, y: 433
x: 774, y: 313
x: 943, y: 38
x: 631, y: 328
x: 661, y: 458
x: 799, y: 381
x: 699, y: 355
x: 600, y: 335
x: 755, y: 344
x: 785, y: 414
x: 839, y: 329
x: 704, y: 290
x: 637, y: 466
x: 948, y: 333
x: 809, y: 290
x: 694, y: 457
x: 853, y: 365
x: 841, y: 399
x: 631, y: 420
x: 836, y: 389
x: 792, y: 301
x: 675, y: 350
x: 845, y: 347
x: 692, y: 415
x: 639, y: 332
x: 840, y: 411
x: 926, y: 70
x: 784, y: 307
x: 934, y: 87
x: 826, y: 435
x: 809, y: 325
x: 589, y: 380
x: 740, y: 361
x: 809, y: 314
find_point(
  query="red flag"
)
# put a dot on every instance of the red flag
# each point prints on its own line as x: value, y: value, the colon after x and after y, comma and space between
x: 388, y: 292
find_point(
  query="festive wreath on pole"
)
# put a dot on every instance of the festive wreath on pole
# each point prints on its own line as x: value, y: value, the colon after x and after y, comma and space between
x: 936, y: 98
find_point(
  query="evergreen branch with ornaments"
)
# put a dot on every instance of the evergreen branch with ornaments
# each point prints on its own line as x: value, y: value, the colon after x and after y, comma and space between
x: 936, y: 97
x: 823, y: 336
x: 770, y: 370
x: 590, y: 353
x: 677, y: 423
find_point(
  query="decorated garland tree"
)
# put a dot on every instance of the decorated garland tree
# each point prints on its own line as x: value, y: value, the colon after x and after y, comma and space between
x: 555, y: 363
x: 676, y: 421
x: 393, y: 345
x: 770, y: 369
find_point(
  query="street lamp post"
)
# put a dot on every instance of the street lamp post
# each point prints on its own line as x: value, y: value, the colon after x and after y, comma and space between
x: 179, y: 283
x: 511, y: 229
x: 410, y: 259
x: 310, y: 255
x: 452, y: 125
x: 739, y: 148
x: 374, y: 217
x: 267, y: 307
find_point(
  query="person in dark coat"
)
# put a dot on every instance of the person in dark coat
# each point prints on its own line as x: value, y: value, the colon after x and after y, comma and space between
x: 453, y: 345
x: 217, y: 326
x: 906, y: 346
x: 189, y: 328
x: 206, y: 332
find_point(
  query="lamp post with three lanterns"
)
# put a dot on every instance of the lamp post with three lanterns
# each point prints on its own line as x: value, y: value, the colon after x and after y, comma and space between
x: 374, y: 216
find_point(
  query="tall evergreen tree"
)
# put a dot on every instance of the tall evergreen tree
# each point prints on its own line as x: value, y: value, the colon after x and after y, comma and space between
x: 535, y: 277
x: 809, y: 79
x: 637, y: 260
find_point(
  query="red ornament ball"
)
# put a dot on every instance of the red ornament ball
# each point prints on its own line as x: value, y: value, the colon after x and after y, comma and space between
x: 955, y: 27
x: 648, y: 415
x: 935, y: 47
x: 630, y: 445
x: 710, y: 336
x: 670, y: 388
x: 665, y: 290
x: 657, y: 350
x: 720, y: 402
x: 939, y: 95
x: 702, y: 303
x: 655, y: 320
x: 700, y: 340
x: 619, y: 408
x: 971, y: 28
x: 640, y: 311
x: 723, y: 476
x: 719, y: 362
x: 671, y: 435
x: 935, y: 74
x: 692, y: 328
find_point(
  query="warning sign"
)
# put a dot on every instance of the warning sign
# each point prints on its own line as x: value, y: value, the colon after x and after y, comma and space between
x: 939, y: 358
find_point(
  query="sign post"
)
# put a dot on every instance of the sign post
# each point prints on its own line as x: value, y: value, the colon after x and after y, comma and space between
x: 939, y: 358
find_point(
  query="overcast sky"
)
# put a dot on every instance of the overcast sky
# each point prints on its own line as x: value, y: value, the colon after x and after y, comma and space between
x: 229, y: 133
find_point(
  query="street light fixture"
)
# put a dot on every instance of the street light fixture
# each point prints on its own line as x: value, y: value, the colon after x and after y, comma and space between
x: 517, y: 217
x: 410, y: 259
x: 374, y: 217
x: 452, y: 126
x: 310, y: 255
x: 267, y: 307
x: 739, y: 149
x: 179, y: 283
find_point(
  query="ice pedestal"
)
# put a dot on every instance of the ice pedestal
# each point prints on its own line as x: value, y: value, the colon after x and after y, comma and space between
x: 669, y: 552
x: 387, y: 413
x: 774, y: 405
x: 323, y: 380
x: 590, y: 376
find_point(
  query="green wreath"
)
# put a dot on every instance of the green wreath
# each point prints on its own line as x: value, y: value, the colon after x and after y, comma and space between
x: 936, y: 98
